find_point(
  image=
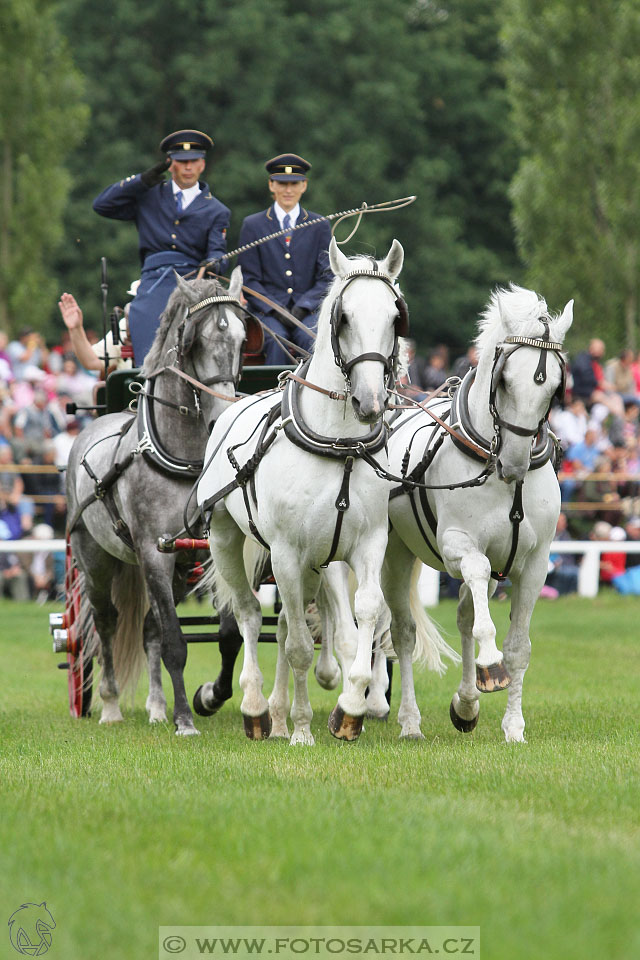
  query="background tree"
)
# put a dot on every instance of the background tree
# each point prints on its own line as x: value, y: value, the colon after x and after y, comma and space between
x: 572, y: 71
x: 407, y: 101
x: 42, y: 119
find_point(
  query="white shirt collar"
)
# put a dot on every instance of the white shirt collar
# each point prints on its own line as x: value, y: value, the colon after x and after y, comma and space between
x: 188, y: 195
x: 280, y: 214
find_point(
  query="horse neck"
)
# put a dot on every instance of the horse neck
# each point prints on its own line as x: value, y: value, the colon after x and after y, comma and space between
x: 325, y: 416
x: 178, y: 431
x: 479, y: 394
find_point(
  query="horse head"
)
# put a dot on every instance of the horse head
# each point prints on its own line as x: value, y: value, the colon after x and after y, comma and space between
x: 527, y: 372
x: 203, y: 333
x: 368, y: 315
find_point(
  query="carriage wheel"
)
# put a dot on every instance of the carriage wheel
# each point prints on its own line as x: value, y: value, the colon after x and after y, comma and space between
x: 80, y: 674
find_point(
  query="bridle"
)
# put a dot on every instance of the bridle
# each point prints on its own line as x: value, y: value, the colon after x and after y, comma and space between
x: 401, y: 326
x: 187, y: 333
x: 544, y: 344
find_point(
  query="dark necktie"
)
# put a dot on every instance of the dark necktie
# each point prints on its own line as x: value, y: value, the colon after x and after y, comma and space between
x: 286, y: 223
x: 179, y: 203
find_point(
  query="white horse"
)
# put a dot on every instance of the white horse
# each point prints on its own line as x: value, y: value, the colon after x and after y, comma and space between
x: 287, y: 470
x: 489, y: 502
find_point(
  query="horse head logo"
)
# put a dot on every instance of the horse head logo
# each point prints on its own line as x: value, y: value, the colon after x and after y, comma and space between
x: 30, y: 929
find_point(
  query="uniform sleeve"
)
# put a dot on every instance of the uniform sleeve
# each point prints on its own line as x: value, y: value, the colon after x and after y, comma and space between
x: 251, y: 264
x: 120, y: 200
x: 314, y: 296
x: 217, y: 238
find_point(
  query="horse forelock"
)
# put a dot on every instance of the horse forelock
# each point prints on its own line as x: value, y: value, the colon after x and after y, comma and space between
x: 524, y: 308
x: 362, y: 262
x: 166, y: 335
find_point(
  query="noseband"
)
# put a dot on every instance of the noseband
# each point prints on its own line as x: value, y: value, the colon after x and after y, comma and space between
x: 543, y: 344
x: 401, y: 326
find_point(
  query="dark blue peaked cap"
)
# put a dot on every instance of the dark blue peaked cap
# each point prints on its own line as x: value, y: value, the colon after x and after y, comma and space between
x: 287, y: 167
x: 186, y: 144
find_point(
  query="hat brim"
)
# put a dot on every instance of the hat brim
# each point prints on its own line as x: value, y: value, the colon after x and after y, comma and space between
x: 287, y: 177
x: 186, y: 154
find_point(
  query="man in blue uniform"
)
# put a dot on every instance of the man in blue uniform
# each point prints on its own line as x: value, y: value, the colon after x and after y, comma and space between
x: 293, y: 270
x: 180, y: 223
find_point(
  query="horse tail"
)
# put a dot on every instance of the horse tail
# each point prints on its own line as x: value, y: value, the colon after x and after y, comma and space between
x: 430, y: 644
x: 129, y: 596
x: 255, y: 561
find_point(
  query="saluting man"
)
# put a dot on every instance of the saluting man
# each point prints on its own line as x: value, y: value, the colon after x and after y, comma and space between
x: 180, y: 223
x: 292, y: 270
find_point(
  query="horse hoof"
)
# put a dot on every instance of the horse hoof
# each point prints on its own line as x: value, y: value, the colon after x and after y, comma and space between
x: 208, y: 709
x: 492, y: 678
x: 342, y: 726
x: 464, y: 726
x: 257, y: 728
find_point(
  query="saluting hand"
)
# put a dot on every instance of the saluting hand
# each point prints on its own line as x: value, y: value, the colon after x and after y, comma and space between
x: 155, y: 175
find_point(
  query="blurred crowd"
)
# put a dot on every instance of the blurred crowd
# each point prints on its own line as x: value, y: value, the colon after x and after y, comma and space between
x: 598, y: 426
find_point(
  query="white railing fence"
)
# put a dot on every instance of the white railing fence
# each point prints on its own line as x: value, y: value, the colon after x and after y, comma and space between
x: 429, y: 584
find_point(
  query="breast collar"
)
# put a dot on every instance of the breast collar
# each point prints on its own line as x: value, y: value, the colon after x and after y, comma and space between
x: 299, y: 433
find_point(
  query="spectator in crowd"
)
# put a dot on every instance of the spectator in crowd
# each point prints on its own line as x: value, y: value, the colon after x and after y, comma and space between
x: 41, y: 569
x: 14, y: 580
x: 632, y: 530
x: 589, y: 383
x: 564, y: 568
x: 619, y: 373
x: 580, y: 460
x: 34, y: 424
x: 569, y: 423
x: 27, y: 350
x: 15, y: 509
x: 612, y: 562
x: 468, y: 361
x: 435, y: 373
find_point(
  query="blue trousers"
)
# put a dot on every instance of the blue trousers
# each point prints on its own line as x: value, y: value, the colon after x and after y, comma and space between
x: 157, y: 283
x: 274, y: 354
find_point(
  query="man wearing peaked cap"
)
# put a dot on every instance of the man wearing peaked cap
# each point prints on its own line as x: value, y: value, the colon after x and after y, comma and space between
x: 180, y: 223
x: 292, y: 270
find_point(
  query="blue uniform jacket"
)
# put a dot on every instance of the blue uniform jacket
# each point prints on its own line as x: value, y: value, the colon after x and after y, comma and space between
x: 169, y: 241
x: 297, y: 275
x: 198, y: 233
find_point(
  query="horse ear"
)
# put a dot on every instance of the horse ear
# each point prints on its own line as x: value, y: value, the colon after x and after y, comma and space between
x: 337, y: 260
x: 184, y: 286
x: 565, y: 321
x: 392, y: 264
x: 235, y: 283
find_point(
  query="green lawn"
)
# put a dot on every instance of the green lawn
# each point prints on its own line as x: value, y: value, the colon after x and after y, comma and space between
x: 124, y: 829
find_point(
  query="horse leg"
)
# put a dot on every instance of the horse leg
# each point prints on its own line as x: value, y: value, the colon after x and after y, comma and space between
x: 279, y: 699
x: 465, y: 706
x: 156, y: 704
x: 296, y: 593
x: 99, y: 569
x: 158, y: 572
x: 517, y: 644
x: 227, y: 541
x: 460, y: 553
x: 377, y: 704
x: 210, y: 696
x: 345, y: 721
x: 398, y: 563
x: 339, y: 631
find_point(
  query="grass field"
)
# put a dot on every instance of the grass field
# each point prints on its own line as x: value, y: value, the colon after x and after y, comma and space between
x: 124, y: 829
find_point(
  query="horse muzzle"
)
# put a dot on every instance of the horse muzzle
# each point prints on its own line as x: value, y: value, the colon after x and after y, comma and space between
x: 369, y: 408
x: 510, y: 472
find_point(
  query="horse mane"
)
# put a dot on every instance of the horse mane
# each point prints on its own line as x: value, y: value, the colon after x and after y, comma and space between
x: 524, y: 307
x: 175, y: 304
